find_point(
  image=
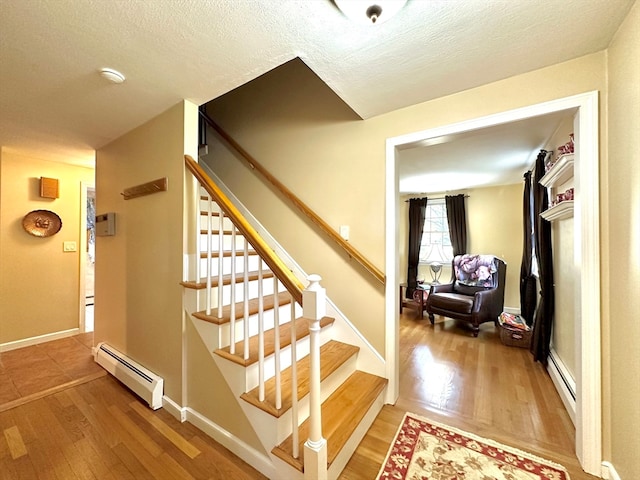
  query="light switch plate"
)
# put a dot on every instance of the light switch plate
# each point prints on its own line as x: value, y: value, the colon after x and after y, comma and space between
x: 344, y: 232
x: 69, y: 247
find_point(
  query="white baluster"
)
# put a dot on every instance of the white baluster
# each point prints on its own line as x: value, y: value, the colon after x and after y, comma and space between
x: 295, y: 435
x: 260, y: 334
x: 315, y: 448
x: 276, y: 342
x: 209, y: 248
x: 232, y: 307
x: 220, y: 258
x: 246, y: 299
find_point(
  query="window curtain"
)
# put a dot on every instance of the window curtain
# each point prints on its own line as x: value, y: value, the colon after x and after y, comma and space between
x: 457, y: 219
x: 528, y: 298
x: 417, y: 212
x: 541, y: 337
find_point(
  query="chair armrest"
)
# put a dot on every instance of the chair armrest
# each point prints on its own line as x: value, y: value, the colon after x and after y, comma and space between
x: 441, y: 288
x: 488, y: 300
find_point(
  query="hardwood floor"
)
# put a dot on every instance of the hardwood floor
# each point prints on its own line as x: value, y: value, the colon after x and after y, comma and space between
x: 99, y: 430
x: 475, y: 384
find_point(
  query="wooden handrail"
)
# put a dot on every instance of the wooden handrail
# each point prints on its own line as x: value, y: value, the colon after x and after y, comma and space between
x: 277, y: 266
x: 324, y: 226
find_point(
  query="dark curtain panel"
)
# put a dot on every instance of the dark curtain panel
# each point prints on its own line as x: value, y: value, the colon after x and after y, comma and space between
x: 541, y: 337
x: 528, y: 298
x: 417, y: 211
x: 457, y: 218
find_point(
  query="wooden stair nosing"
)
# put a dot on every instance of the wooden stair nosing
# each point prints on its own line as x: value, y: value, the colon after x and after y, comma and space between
x: 226, y: 280
x: 284, y: 298
x: 227, y: 253
x: 341, y: 414
x: 302, y: 330
x: 333, y: 354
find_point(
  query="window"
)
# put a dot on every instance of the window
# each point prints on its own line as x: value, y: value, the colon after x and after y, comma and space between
x: 436, y: 244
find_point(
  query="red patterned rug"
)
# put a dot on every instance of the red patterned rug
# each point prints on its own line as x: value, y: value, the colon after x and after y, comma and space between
x: 424, y: 449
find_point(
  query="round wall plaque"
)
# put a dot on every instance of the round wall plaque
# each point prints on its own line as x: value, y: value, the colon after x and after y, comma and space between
x: 41, y: 223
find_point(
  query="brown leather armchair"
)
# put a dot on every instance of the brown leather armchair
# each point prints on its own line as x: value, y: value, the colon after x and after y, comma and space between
x: 475, y: 294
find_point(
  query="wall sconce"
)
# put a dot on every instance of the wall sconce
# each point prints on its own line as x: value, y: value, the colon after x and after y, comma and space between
x: 370, y: 11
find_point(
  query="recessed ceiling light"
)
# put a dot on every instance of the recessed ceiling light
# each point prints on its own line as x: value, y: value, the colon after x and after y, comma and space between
x: 112, y: 75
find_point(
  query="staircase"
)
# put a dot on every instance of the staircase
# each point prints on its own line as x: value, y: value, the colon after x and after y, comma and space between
x: 297, y: 382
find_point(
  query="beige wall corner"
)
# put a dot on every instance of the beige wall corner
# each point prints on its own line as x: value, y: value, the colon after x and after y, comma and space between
x: 138, y: 304
x: 620, y: 256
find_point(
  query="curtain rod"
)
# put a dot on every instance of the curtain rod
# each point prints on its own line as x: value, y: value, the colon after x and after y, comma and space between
x: 435, y: 198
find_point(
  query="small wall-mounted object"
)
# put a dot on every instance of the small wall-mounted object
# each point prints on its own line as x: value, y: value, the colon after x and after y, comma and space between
x: 159, y: 185
x: 106, y: 224
x: 41, y: 223
x: 49, y: 187
x: 69, y: 246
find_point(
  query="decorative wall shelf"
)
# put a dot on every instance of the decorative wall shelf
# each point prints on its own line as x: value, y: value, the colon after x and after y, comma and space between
x: 560, y: 172
x: 559, y: 212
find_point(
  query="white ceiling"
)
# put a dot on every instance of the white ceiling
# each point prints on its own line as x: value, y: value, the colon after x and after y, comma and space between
x: 54, y: 105
x: 497, y: 155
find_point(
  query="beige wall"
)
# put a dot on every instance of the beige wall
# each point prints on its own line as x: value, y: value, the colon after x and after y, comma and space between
x: 138, y: 298
x: 494, y: 223
x: 39, y: 283
x: 565, y: 269
x: 621, y: 256
x: 308, y: 139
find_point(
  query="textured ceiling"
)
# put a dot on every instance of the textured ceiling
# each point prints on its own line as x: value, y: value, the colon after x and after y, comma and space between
x: 54, y: 105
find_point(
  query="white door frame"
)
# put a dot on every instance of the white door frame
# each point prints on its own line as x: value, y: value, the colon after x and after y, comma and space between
x: 586, y: 244
x: 82, y: 308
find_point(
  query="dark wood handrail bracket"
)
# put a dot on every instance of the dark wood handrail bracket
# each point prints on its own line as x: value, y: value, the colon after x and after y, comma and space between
x: 277, y: 266
x: 324, y: 226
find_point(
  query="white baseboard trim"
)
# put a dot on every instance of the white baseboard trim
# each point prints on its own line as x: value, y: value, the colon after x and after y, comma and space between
x: 609, y: 472
x: 27, y: 342
x: 178, y: 412
x: 564, y: 383
x: 256, y: 459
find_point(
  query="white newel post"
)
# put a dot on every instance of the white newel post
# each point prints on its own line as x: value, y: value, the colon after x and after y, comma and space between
x: 315, y: 448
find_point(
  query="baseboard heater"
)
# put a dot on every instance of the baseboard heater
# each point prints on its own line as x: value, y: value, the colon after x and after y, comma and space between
x: 141, y: 381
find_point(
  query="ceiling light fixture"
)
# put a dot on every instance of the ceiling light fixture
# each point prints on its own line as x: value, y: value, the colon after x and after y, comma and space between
x: 112, y: 75
x: 370, y: 11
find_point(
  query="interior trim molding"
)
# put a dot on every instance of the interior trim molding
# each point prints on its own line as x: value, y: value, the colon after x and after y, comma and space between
x: 586, y: 250
x: 609, y: 472
x: 564, y: 382
x: 47, y: 337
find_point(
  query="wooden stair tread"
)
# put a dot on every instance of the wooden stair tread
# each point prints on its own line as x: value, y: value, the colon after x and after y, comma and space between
x: 284, y: 298
x: 333, y: 355
x: 226, y: 280
x: 341, y: 414
x: 302, y: 330
x: 227, y: 253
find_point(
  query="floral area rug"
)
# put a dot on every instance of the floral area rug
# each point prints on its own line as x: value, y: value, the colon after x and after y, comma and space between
x: 423, y: 449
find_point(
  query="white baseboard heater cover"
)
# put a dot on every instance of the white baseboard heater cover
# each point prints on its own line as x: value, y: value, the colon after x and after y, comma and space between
x: 144, y: 383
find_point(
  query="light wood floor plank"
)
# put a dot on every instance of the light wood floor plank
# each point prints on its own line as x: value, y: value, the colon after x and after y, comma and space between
x: 186, y: 447
x: 15, y: 443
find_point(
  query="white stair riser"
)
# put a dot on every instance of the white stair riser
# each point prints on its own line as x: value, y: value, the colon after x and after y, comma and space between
x: 254, y: 261
x: 227, y: 242
x: 267, y: 289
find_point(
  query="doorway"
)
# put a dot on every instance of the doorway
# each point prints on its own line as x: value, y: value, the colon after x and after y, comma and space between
x: 87, y: 256
x: 586, y: 249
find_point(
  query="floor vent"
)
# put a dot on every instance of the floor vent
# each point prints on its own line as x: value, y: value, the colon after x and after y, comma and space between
x: 144, y: 383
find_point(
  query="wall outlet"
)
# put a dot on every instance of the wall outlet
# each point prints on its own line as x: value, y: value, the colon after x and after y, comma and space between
x: 344, y: 232
x: 69, y: 247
